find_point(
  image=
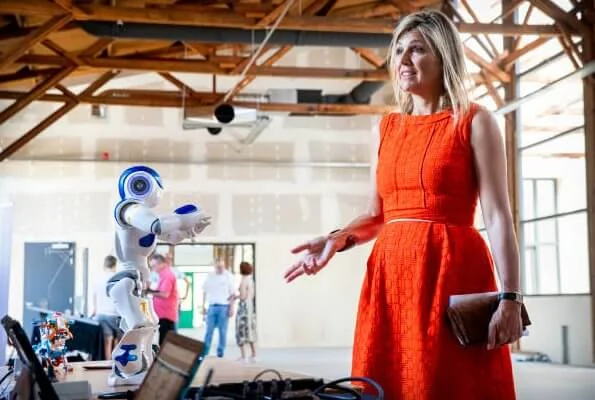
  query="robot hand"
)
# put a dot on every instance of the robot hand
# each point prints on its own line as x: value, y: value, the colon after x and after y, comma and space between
x: 178, y: 235
x: 200, y: 226
x: 190, y: 215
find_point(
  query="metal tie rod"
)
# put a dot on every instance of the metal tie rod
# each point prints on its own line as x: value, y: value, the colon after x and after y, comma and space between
x: 585, y: 71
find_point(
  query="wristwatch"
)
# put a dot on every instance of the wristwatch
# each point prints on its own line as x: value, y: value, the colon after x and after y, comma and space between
x: 513, y: 296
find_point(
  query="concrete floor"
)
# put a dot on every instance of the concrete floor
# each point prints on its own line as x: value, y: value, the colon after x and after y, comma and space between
x: 534, y: 381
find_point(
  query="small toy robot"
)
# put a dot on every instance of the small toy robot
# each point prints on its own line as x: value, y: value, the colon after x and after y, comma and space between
x: 51, y: 350
x: 137, y: 229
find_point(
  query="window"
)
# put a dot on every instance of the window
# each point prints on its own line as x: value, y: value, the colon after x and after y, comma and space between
x: 541, y: 259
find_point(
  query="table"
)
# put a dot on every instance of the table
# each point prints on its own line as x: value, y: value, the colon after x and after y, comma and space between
x: 87, y: 334
x: 225, y: 371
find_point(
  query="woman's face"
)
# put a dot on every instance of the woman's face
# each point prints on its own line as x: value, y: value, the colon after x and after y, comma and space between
x: 419, y: 70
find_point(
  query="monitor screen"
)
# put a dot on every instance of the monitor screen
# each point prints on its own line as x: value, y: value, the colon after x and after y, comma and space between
x: 18, y: 338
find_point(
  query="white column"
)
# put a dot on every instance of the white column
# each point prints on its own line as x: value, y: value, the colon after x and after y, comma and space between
x: 5, y: 250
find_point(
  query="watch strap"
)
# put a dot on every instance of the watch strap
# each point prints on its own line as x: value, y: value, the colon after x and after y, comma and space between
x: 513, y: 296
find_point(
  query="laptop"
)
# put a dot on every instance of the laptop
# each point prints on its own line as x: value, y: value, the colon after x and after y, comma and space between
x: 172, y: 371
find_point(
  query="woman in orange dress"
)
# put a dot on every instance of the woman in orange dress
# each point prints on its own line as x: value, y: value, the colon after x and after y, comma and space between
x: 435, y: 160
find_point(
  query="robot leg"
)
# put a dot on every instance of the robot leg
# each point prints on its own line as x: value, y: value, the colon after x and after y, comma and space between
x: 133, y: 354
x: 132, y: 357
x: 124, y: 292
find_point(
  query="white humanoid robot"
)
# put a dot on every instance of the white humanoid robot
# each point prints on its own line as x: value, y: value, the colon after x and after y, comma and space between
x: 137, y: 231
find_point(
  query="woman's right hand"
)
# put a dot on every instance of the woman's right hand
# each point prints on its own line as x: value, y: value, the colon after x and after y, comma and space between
x: 318, y: 252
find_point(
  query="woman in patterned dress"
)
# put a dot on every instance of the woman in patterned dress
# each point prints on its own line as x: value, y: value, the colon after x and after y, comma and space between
x: 246, y: 317
x: 437, y: 157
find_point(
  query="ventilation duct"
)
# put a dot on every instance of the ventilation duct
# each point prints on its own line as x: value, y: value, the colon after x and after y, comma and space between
x: 360, y: 94
x: 201, y: 34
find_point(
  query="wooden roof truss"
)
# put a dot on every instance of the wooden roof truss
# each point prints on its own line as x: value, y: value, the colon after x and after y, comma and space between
x: 43, y: 46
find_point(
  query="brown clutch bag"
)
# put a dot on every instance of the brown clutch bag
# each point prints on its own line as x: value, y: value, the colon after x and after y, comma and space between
x: 469, y: 316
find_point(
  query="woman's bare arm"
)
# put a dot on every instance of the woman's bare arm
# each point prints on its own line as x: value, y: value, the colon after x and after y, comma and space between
x: 490, y: 158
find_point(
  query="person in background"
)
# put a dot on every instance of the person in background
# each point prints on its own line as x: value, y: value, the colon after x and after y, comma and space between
x: 246, y: 315
x: 104, y: 309
x: 165, y: 296
x: 218, y: 290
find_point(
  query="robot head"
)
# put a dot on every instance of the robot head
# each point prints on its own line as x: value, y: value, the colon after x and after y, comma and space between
x: 141, y: 183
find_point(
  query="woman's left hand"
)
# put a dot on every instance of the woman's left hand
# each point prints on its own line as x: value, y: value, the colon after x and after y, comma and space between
x: 506, y: 325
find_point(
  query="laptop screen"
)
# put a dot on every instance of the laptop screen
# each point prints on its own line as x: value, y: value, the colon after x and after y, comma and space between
x: 173, y: 370
x: 18, y: 338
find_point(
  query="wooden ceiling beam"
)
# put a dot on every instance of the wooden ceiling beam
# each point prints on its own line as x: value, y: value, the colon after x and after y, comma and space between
x: 226, y: 19
x: 370, y: 57
x: 34, y: 94
x: 25, y: 74
x: 205, y: 103
x: 506, y: 29
x: 70, y: 101
x: 99, y: 82
x: 367, y: 10
x: 36, y: 36
x: 269, y: 62
x: 153, y: 64
x: 554, y: 11
x: 271, y: 17
x: 492, y: 90
x: 493, y: 50
x: 570, y: 48
x: 315, y: 7
x: 178, y: 83
x: 509, y: 59
x: 491, y: 68
x: 11, y: 32
x: 36, y: 130
x: 71, y: 58
x: 207, y: 67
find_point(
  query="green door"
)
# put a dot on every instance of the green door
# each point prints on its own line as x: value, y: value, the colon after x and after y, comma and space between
x: 186, y: 300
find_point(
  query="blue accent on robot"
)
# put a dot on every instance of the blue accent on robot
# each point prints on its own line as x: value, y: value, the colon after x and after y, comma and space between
x: 125, y: 357
x: 187, y: 209
x: 147, y: 241
x: 133, y: 169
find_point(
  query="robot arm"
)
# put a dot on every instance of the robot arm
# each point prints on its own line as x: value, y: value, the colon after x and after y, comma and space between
x: 186, y: 221
x: 192, y: 223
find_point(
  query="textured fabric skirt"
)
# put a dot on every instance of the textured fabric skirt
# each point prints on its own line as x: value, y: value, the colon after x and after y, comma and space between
x: 245, y: 323
x: 402, y: 339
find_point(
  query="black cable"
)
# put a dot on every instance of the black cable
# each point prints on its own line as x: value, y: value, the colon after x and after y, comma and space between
x: 2, y: 381
x: 380, y: 392
x: 261, y: 373
x: 342, y: 389
x: 5, y: 376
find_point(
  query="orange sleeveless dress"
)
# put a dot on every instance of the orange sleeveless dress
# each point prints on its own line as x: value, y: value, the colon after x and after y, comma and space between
x: 426, y: 171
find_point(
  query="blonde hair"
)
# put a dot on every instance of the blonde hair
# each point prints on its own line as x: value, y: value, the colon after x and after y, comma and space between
x: 443, y: 38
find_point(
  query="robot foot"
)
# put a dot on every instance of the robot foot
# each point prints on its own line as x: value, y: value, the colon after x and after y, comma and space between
x: 116, y: 379
x: 132, y: 357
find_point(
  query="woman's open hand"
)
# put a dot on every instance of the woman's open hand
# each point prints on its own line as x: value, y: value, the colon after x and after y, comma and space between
x: 506, y: 325
x: 318, y: 252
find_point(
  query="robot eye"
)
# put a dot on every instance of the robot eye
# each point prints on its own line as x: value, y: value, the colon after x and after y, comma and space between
x: 139, y: 185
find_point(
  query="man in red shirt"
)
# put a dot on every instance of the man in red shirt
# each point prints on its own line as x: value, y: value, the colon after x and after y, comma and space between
x: 165, y: 297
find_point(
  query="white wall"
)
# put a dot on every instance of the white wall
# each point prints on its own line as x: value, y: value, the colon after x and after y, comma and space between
x: 548, y: 315
x: 5, y: 258
x: 275, y: 207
